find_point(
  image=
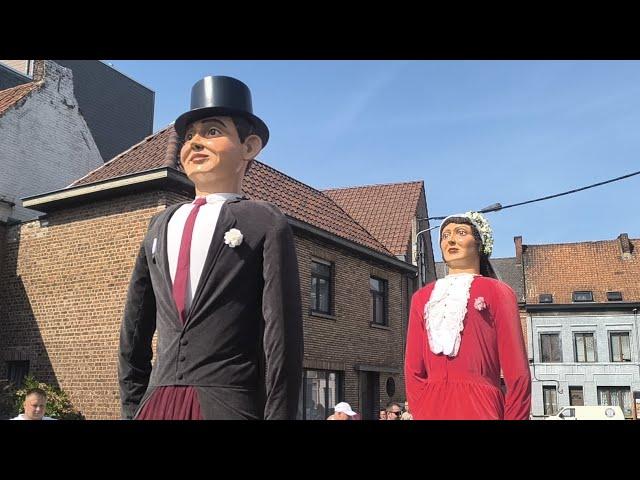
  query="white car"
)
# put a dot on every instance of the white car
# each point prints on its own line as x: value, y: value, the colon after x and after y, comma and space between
x: 600, y: 412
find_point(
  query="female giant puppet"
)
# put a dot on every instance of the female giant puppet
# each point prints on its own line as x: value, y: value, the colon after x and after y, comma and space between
x: 464, y: 330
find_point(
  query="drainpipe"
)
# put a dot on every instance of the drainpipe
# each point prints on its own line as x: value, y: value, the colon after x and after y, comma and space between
x: 635, y: 325
x: 533, y: 365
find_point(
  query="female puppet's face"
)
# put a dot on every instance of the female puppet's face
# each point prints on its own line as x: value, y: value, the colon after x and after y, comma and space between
x: 458, y: 245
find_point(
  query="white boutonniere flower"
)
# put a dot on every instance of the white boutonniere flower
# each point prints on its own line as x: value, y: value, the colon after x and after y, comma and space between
x: 233, y: 237
x: 480, y: 304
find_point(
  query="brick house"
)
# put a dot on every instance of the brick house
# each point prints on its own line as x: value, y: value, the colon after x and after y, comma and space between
x: 66, y: 277
x: 393, y: 214
x: 582, y: 302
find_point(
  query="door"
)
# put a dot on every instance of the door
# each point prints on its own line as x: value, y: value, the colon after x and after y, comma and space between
x: 369, y: 395
x: 576, y: 396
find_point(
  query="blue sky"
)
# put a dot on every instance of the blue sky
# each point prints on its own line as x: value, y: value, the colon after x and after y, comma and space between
x: 476, y: 132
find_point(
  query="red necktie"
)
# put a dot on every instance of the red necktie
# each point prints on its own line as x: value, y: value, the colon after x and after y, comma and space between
x: 182, y: 271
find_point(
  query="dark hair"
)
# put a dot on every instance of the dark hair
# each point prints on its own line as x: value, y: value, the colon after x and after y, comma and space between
x: 38, y: 391
x: 245, y: 128
x: 486, y: 270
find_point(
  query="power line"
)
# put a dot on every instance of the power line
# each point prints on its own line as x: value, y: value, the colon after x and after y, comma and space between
x: 498, y: 207
x: 572, y: 191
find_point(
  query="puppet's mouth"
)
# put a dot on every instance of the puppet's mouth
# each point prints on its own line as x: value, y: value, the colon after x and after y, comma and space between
x: 198, y: 158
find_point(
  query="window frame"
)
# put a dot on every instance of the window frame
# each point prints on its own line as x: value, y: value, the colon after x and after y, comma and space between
x: 385, y: 301
x: 542, y: 360
x: 554, y: 389
x: 545, y: 298
x: 620, y: 334
x: 575, y: 347
x: 614, y: 294
x: 575, y: 296
x: 339, y: 390
x: 13, y: 365
x: 329, y: 279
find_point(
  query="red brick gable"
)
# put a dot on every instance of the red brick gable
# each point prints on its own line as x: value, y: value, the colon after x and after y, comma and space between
x: 384, y: 210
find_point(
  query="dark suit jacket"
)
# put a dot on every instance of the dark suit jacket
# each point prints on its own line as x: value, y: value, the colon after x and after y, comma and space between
x: 242, y: 343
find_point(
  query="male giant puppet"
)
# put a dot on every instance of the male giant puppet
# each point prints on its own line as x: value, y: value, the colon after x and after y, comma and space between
x: 218, y: 279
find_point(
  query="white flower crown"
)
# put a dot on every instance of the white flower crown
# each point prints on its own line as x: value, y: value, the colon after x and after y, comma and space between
x: 483, y: 227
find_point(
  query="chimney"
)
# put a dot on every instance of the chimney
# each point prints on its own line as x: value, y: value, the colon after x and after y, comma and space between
x: 518, y: 242
x: 38, y: 70
x: 625, y: 246
x: 173, y: 147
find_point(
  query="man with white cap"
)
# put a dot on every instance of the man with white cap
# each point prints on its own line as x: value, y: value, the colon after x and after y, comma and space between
x: 342, y: 411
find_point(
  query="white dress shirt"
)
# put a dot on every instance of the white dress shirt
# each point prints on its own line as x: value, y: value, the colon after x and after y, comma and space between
x: 22, y: 417
x: 203, y: 230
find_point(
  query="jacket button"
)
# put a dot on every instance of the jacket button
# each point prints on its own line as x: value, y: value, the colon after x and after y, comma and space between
x: 183, y: 358
x: 184, y: 341
x: 180, y: 377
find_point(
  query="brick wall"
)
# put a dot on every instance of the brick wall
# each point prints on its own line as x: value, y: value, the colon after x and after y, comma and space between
x: 65, y: 289
x: 349, y: 339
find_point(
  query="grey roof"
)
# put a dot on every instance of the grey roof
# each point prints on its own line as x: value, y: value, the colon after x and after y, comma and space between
x: 508, y: 270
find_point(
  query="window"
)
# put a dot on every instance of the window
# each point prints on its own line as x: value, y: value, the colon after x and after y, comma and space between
x: 620, y: 348
x: 583, y: 296
x: 584, y: 346
x: 17, y: 370
x: 322, y: 390
x: 614, y: 296
x: 545, y: 298
x: 616, y: 396
x: 321, y: 287
x: 550, y: 397
x: 379, y: 292
x: 550, y: 350
x: 576, y: 396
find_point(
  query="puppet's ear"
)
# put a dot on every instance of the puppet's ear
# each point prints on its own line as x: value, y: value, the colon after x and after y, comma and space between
x: 252, y: 147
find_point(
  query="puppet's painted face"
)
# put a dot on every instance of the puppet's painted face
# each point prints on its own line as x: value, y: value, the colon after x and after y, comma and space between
x: 212, y: 148
x: 458, y: 245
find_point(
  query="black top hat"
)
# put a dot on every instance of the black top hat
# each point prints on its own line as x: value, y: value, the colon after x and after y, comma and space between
x: 221, y: 96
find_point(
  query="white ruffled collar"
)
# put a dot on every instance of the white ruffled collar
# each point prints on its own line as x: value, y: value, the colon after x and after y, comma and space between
x: 445, y: 311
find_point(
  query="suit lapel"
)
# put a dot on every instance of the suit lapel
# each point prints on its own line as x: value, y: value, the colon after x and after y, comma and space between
x: 226, y: 221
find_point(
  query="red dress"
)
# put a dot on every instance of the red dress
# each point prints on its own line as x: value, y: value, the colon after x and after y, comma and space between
x: 467, y: 386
